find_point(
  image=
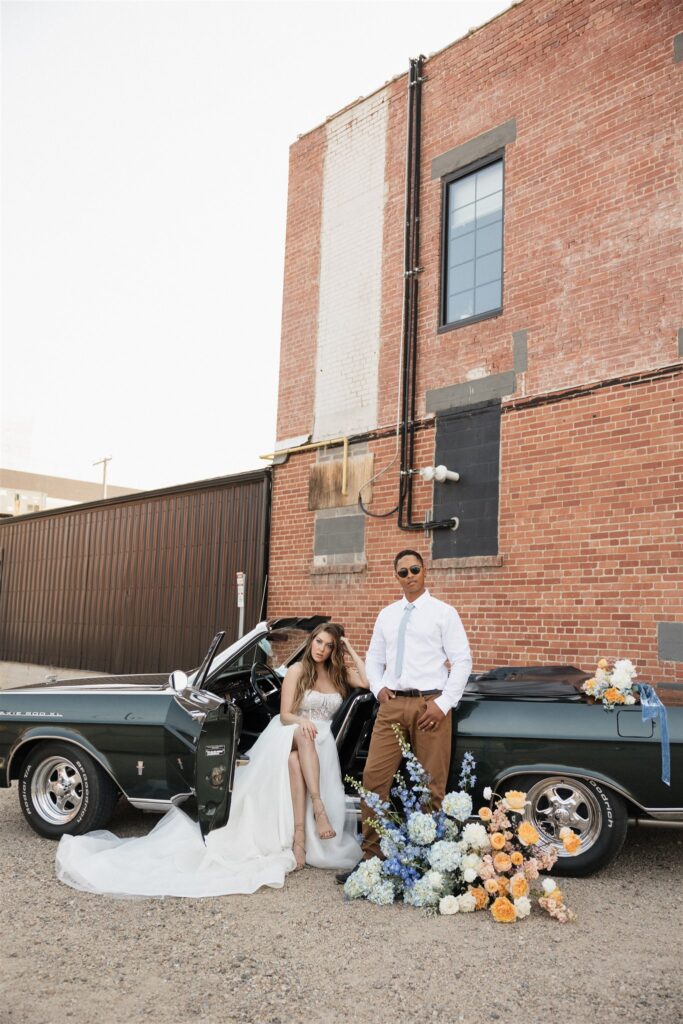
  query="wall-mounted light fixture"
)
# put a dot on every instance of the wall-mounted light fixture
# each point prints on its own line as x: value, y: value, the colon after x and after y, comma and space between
x: 438, y: 473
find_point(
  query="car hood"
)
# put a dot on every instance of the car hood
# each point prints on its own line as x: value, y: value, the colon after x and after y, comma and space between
x: 93, y: 684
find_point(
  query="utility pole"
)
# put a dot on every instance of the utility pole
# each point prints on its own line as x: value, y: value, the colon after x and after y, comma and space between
x: 103, y: 463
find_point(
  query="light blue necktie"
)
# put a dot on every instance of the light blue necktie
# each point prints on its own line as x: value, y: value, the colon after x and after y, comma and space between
x: 401, y: 643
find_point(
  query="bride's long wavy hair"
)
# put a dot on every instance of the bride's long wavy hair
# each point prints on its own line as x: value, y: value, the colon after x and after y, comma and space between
x: 335, y: 664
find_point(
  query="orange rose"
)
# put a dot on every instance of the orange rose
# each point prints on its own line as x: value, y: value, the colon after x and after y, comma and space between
x: 515, y: 800
x: 527, y: 834
x: 485, y: 813
x: 518, y: 886
x: 480, y: 897
x: 613, y: 695
x: 491, y: 886
x: 570, y: 840
x: 517, y: 858
x: 503, y: 885
x: 502, y: 862
x: 497, y: 840
x: 603, y: 663
x: 503, y: 911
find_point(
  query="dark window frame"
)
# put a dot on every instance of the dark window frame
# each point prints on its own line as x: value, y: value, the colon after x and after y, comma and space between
x: 463, y: 172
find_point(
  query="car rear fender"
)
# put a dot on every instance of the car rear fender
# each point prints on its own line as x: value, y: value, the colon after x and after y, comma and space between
x: 32, y: 737
x: 564, y: 769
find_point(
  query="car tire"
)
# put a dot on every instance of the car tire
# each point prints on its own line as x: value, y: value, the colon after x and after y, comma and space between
x: 63, y: 791
x: 594, y: 811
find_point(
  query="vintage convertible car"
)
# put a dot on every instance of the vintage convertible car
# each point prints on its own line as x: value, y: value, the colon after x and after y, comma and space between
x: 75, y: 746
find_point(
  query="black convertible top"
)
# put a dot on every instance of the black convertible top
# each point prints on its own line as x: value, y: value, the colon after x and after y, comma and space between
x: 545, y: 682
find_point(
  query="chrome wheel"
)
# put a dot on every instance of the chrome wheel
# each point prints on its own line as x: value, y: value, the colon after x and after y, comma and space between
x: 57, y: 790
x: 559, y: 802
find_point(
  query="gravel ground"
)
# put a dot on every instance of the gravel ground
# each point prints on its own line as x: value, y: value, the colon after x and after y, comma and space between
x: 302, y: 954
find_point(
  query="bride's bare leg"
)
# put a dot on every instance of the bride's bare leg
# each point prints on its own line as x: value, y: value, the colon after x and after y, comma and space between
x: 310, y: 766
x: 298, y: 788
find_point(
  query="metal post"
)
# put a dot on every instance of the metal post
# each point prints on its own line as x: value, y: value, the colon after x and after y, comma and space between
x: 103, y: 462
x: 241, y: 579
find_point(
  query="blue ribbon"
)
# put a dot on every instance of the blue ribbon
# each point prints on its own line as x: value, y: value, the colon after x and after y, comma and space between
x: 653, y: 708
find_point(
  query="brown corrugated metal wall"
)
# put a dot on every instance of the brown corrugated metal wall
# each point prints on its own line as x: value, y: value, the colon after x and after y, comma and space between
x: 134, y: 584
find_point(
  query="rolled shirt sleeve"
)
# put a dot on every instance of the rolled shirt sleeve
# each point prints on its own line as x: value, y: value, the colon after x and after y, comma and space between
x: 457, y: 649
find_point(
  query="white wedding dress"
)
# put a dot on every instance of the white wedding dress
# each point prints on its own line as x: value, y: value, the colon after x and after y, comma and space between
x: 253, y: 849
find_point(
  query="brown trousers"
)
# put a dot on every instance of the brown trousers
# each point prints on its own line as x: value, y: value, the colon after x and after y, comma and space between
x: 432, y: 748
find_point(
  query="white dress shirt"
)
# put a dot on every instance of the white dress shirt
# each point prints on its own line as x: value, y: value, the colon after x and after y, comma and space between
x: 434, y: 635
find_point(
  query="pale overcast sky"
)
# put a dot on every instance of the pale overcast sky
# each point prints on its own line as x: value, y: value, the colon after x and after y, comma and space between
x: 144, y: 189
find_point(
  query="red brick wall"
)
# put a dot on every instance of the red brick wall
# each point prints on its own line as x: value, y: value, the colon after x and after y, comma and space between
x: 591, y: 521
x: 591, y: 501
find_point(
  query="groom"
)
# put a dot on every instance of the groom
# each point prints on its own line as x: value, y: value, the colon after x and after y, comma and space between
x: 406, y: 667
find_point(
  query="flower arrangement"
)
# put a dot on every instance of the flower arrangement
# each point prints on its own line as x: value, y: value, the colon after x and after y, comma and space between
x: 613, y: 686
x: 446, y: 863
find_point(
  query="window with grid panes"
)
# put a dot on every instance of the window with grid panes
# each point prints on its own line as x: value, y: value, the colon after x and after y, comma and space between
x: 473, y: 244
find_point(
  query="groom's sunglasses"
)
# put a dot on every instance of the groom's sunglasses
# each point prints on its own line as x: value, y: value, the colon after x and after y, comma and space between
x: 414, y: 570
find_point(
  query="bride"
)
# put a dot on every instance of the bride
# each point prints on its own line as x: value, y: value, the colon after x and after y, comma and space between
x: 288, y: 805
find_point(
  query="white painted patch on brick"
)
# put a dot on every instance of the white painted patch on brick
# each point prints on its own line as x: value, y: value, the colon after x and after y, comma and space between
x: 351, y: 271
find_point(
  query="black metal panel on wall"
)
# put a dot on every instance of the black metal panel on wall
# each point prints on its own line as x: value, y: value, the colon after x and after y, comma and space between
x: 134, y: 584
x: 468, y: 441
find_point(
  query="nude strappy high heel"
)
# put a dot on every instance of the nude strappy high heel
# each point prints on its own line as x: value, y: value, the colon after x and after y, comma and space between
x: 299, y: 847
x: 325, y: 830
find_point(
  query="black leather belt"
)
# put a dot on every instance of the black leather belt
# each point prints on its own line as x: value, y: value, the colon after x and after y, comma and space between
x: 416, y: 693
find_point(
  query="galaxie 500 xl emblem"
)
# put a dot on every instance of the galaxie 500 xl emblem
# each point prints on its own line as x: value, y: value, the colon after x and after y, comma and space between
x: 32, y: 714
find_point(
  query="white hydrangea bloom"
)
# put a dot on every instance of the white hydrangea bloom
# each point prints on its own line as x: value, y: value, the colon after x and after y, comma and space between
x: 449, y: 905
x: 457, y: 805
x: 475, y: 835
x: 435, y: 879
x: 471, y: 860
x: 421, y: 828
x: 382, y: 894
x: 444, y: 856
x: 353, y: 888
x: 466, y: 903
x: 421, y: 894
x: 522, y: 906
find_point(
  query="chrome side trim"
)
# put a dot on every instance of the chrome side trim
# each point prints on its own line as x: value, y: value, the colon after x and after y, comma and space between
x: 158, y: 806
x: 129, y: 689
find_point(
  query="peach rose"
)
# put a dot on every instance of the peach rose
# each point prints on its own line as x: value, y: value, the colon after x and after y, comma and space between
x: 527, y: 834
x: 518, y: 886
x: 503, y: 885
x: 491, y: 886
x: 480, y: 897
x: 503, y: 911
x: 570, y: 840
x: 485, y: 813
x: 517, y: 858
x: 497, y: 840
x: 603, y: 663
x: 515, y: 800
x: 502, y: 862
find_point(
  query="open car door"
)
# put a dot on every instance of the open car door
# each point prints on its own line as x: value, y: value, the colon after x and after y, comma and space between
x: 215, y: 765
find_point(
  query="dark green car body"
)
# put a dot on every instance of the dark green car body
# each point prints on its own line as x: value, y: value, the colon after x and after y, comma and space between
x: 531, y: 729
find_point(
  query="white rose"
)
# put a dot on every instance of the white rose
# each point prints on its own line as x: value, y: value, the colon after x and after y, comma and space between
x: 488, y: 793
x: 549, y: 885
x: 629, y: 699
x: 471, y: 860
x: 523, y: 906
x: 435, y: 879
x: 448, y: 905
x: 466, y: 903
x: 469, y: 874
x: 475, y: 835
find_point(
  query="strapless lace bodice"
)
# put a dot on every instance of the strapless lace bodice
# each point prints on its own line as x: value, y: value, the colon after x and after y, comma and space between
x: 320, y: 706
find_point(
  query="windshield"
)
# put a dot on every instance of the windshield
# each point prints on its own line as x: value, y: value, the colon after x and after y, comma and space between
x: 275, y: 648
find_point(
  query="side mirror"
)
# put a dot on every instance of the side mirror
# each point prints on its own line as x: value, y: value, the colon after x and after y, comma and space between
x: 179, y: 681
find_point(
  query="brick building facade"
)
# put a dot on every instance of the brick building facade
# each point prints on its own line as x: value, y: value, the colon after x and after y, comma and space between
x: 547, y: 343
